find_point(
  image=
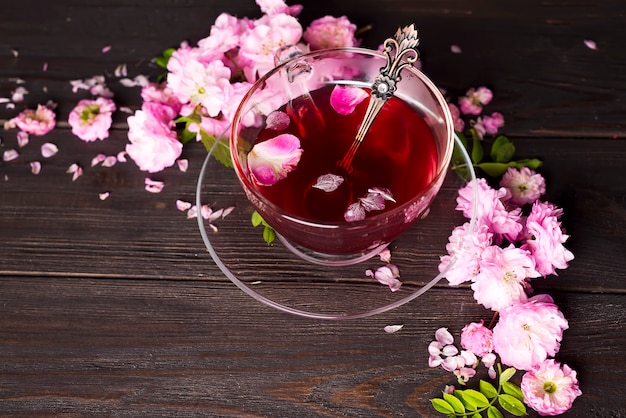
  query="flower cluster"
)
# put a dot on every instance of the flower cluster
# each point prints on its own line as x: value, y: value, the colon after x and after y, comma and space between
x: 206, y: 82
x: 516, y: 238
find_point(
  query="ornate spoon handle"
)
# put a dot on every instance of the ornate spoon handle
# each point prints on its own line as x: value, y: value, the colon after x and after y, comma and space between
x: 401, y: 52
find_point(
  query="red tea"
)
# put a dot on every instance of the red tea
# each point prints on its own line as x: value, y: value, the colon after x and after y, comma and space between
x: 399, y: 153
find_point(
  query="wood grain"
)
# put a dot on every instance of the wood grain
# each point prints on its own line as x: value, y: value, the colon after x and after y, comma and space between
x: 113, y: 307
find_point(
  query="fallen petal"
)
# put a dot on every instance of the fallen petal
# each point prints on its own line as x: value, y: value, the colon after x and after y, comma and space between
x: 390, y: 329
x: 443, y: 336
x: 455, y: 49
x: 104, y: 196
x: 109, y: 161
x: 106, y: 49
x: 206, y: 212
x: 97, y: 159
x: 192, y: 212
x: 182, y: 206
x: 344, y: 99
x: 35, y: 167
x: 10, y: 155
x: 183, y: 165
x: 227, y: 211
x: 153, y: 186
x: 121, y: 156
x: 22, y: 139
x: 328, y: 182
x: 49, y: 149
x: 591, y: 44
x: 385, y: 255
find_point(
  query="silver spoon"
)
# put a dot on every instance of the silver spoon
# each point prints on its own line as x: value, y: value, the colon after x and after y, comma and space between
x: 401, y: 52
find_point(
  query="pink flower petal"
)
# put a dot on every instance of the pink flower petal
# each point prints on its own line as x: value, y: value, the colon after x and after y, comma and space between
x: 344, y: 99
x: 97, y: 159
x: 355, y: 212
x: 22, y: 139
x: 153, y: 186
x: 76, y: 170
x: 390, y: 329
x: 227, y: 211
x: 121, y: 71
x: 10, y: 155
x: 49, y: 149
x: 277, y: 121
x: 455, y: 49
x: 104, y: 196
x: 591, y: 44
x: 183, y: 165
x: 192, y: 212
x: 383, y: 192
x: 270, y: 161
x: 109, y: 161
x: 106, y: 49
x: 121, y: 156
x: 45, y: 67
x: 35, y: 167
x: 328, y: 182
x: 182, y: 206
x: 372, y: 201
x: 385, y: 255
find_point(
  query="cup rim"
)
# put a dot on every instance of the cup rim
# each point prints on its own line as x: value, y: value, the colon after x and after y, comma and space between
x: 447, y: 157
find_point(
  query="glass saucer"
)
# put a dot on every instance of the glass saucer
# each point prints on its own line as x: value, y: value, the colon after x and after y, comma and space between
x: 274, y: 275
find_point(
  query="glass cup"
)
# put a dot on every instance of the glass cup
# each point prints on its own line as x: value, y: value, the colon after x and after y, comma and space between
x: 400, y: 165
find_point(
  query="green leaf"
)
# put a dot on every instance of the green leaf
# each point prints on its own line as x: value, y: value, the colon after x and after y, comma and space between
x: 477, y: 415
x: 532, y: 163
x: 487, y: 389
x: 502, y: 150
x: 493, y: 169
x: 475, y: 399
x: 477, y: 150
x: 269, y: 234
x: 257, y: 219
x: 512, y: 405
x: 442, y: 406
x: 163, y: 59
x: 494, y: 412
x: 186, y: 136
x: 506, y: 375
x: 456, y: 404
x: 513, y: 390
x: 221, y: 152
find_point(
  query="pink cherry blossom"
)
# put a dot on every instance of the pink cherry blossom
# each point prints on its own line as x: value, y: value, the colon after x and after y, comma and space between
x: 344, y: 99
x: 198, y: 83
x: 477, y: 338
x: 527, y: 333
x: 153, y: 142
x: 330, y: 32
x: 546, y: 238
x: 550, y: 388
x: 465, y: 249
x: 488, y: 124
x: 501, y: 281
x: 387, y: 275
x: 91, y: 119
x: 270, y: 161
x: 160, y: 93
x: 223, y: 37
x: 525, y: 185
x: 490, y: 209
x: 35, y: 122
x: 474, y: 100
x: 260, y: 42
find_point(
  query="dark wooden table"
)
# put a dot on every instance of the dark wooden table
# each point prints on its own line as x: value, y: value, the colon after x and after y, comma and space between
x: 114, y: 307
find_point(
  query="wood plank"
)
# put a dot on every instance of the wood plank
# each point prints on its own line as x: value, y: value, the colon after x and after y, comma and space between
x: 532, y: 55
x: 154, y: 348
